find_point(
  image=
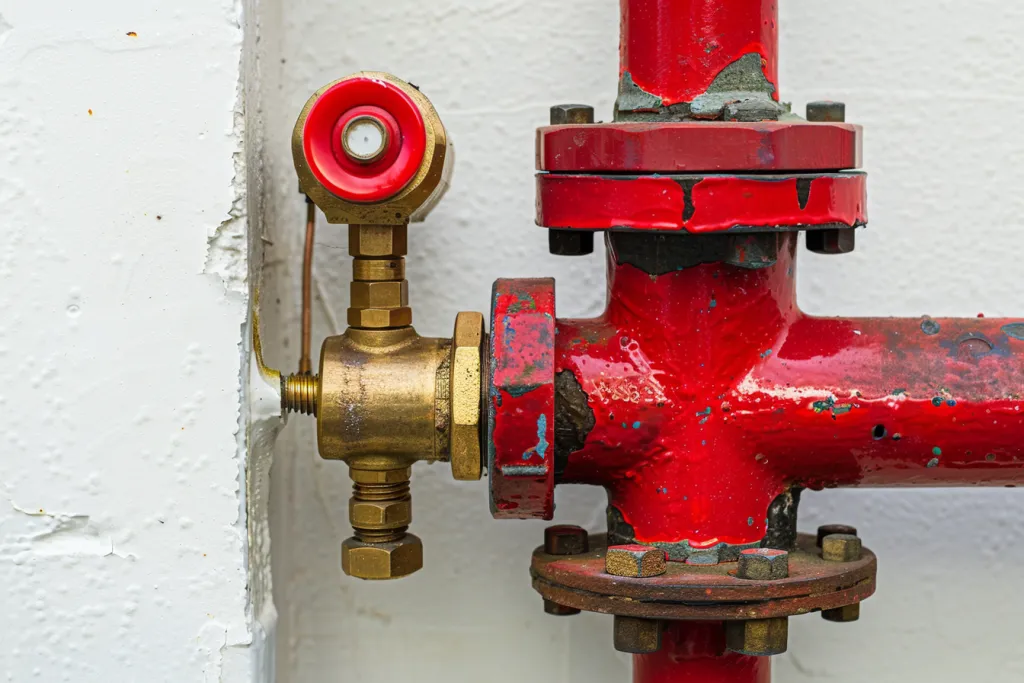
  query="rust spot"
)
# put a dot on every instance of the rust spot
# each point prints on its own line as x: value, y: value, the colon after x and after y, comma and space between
x: 132, y: 34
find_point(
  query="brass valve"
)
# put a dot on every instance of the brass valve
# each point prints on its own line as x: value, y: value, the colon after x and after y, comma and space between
x: 371, y: 151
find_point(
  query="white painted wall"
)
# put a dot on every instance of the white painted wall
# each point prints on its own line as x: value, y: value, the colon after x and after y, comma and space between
x: 123, y: 306
x: 938, y: 86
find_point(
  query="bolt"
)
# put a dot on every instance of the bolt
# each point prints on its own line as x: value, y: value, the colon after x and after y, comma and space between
x: 763, y: 564
x: 829, y: 529
x: 637, y: 636
x: 570, y: 242
x: 635, y: 561
x: 840, y: 548
x: 566, y: 539
x: 826, y: 112
x: 842, y: 615
x: 757, y: 637
x: 562, y: 114
x: 553, y: 608
x: 832, y: 241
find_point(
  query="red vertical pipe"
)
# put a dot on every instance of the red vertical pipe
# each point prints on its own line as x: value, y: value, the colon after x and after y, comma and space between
x: 674, y: 49
x: 695, y: 651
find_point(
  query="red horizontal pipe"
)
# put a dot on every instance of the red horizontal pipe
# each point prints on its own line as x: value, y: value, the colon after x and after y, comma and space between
x: 712, y: 393
x: 674, y: 49
x: 695, y: 651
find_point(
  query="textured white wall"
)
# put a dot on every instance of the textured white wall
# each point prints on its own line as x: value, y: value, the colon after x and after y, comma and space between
x: 937, y: 86
x: 123, y: 303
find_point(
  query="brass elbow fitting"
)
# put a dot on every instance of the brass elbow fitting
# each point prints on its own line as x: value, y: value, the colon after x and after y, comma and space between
x: 385, y: 397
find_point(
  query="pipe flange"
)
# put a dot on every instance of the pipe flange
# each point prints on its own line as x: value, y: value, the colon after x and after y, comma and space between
x: 706, y: 593
x: 521, y: 400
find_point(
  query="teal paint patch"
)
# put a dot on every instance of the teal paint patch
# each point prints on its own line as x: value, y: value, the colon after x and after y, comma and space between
x: 934, y: 462
x: 541, y: 448
x: 1014, y: 331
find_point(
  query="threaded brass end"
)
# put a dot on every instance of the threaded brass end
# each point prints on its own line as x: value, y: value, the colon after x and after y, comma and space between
x: 299, y: 393
x: 381, y: 511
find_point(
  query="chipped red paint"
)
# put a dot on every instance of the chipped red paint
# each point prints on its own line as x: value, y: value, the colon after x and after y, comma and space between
x: 521, y: 399
x: 715, y: 203
x: 713, y: 393
x: 674, y: 49
x: 695, y: 651
x: 705, y: 147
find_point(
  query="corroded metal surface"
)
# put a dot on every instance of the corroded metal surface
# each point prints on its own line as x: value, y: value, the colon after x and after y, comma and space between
x: 521, y: 399
x: 704, y: 592
x: 702, y: 204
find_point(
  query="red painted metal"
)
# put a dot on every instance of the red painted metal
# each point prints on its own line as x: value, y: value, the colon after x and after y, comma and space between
x: 674, y: 49
x: 695, y: 651
x: 713, y: 393
x: 521, y: 397
x: 704, y: 147
x: 699, y: 204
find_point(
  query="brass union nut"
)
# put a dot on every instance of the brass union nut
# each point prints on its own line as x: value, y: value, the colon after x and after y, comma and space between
x: 758, y: 637
x: 466, y: 392
x: 376, y: 514
x: 380, y: 318
x: 637, y: 636
x: 376, y: 561
x: 636, y: 561
x: 380, y: 294
x: 378, y: 241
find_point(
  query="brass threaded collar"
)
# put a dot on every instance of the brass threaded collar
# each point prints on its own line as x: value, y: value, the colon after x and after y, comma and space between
x: 299, y: 393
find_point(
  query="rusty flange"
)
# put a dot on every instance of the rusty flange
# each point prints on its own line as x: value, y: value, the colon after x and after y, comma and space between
x: 521, y: 400
x: 704, y: 592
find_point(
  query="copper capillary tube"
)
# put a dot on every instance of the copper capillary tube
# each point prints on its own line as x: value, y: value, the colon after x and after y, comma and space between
x: 305, y: 364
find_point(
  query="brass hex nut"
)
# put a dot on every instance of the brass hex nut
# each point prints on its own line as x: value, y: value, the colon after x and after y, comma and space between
x: 382, y: 560
x: 380, y: 294
x: 378, y: 241
x: 466, y: 396
x: 841, y: 548
x: 636, y: 561
x: 380, y: 318
x: 637, y: 636
x: 842, y: 615
x: 380, y: 476
x: 758, y: 637
x: 376, y: 514
x: 763, y: 564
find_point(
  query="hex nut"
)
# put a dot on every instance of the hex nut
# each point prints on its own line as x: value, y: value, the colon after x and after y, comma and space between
x: 380, y: 476
x: 842, y: 615
x: 379, y: 294
x: 637, y: 636
x: 829, y: 529
x: 378, y: 241
x: 554, y: 609
x: 562, y: 114
x: 635, y: 561
x: 380, y: 318
x: 763, y: 564
x: 826, y: 112
x: 570, y: 242
x: 377, y: 514
x: 467, y: 397
x: 566, y: 539
x: 378, y: 561
x: 832, y: 241
x: 841, y: 548
x: 758, y: 637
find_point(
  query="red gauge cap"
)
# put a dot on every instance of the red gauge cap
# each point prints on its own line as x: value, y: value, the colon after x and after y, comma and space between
x: 364, y: 139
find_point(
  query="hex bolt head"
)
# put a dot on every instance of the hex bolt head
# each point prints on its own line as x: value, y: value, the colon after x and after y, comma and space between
x: 635, y: 561
x: 566, y: 539
x: 826, y: 112
x: 829, y: 529
x: 842, y: 615
x: 570, y: 242
x: 832, y: 241
x: 562, y: 114
x: 758, y: 637
x: 841, y: 548
x: 763, y: 564
x: 554, y: 609
x: 637, y: 636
